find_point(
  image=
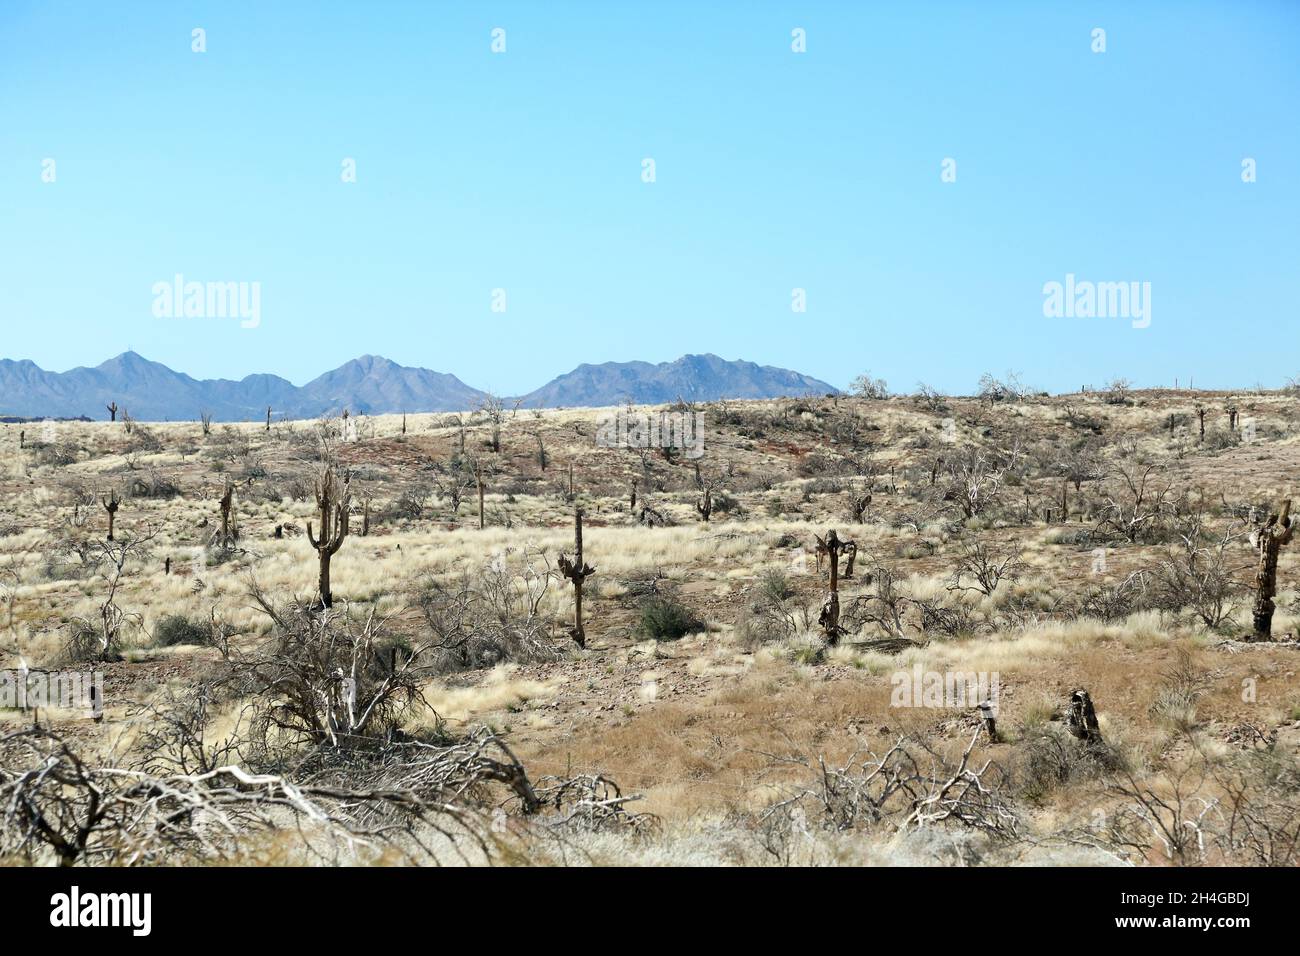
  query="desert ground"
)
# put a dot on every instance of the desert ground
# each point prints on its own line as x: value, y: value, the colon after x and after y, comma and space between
x: 443, y: 708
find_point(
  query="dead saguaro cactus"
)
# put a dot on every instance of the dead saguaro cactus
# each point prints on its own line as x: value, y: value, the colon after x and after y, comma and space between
x: 268, y: 417
x: 1200, y: 415
x: 577, y: 572
x: 632, y: 495
x: 1268, y: 540
x: 1081, y: 717
x: 110, y: 502
x: 478, y: 479
x: 112, y: 411
x: 850, y: 551
x: 829, y: 619
x: 365, y: 518
x: 820, y: 549
x: 703, y: 504
x: 333, y: 499
x: 228, y: 532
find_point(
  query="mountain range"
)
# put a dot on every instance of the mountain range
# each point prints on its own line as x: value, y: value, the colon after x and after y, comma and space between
x: 151, y: 391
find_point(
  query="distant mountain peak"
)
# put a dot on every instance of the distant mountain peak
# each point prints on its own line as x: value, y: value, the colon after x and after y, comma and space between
x: 369, y: 384
x: 706, y: 377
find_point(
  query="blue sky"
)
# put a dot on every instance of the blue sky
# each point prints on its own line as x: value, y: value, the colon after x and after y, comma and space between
x: 774, y: 171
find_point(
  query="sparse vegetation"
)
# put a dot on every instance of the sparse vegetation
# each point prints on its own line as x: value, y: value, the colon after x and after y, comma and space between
x: 1089, y: 541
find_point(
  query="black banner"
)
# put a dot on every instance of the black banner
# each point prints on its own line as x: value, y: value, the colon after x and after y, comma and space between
x: 150, y: 907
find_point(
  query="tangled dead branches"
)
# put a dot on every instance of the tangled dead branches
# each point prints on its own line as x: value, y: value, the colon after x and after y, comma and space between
x: 911, y: 785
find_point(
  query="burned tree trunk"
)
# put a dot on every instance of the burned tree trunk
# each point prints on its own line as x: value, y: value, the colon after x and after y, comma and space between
x: 1268, y: 539
x: 577, y: 572
x: 989, y: 715
x: 333, y: 499
x: 1081, y: 718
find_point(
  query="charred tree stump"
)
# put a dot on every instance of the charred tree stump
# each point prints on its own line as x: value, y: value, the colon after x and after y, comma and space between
x: 989, y: 715
x: 1268, y: 540
x: 1081, y: 718
x: 577, y: 572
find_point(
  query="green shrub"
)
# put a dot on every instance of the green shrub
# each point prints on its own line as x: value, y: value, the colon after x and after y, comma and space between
x: 667, y: 620
x: 175, y: 629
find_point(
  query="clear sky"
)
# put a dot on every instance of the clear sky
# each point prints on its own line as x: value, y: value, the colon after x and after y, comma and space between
x: 775, y: 170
